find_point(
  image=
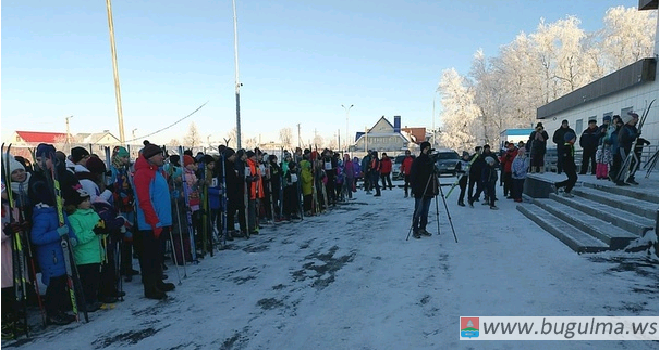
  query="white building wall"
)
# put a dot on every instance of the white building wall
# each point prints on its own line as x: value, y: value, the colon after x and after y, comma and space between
x: 637, y: 97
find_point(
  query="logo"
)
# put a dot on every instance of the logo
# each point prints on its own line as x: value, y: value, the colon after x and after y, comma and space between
x: 469, y: 327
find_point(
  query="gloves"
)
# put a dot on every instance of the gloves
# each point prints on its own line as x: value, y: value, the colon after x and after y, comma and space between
x: 63, y: 230
x: 158, y: 231
x: 10, y: 229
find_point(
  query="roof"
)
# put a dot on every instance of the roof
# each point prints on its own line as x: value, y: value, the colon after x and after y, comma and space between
x: 94, y: 137
x: 41, y: 136
x: 516, y: 132
x: 419, y: 134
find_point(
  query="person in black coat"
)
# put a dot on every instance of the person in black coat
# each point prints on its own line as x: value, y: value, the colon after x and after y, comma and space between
x: 235, y: 191
x: 537, y: 145
x: 474, y: 175
x: 589, y: 143
x: 424, y: 187
x: 558, y: 139
x: 569, y: 166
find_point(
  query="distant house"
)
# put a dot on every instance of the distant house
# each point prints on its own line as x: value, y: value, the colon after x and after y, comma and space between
x: 23, y: 141
x: 382, y: 137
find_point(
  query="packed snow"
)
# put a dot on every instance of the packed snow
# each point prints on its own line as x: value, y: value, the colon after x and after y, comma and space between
x: 348, y: 279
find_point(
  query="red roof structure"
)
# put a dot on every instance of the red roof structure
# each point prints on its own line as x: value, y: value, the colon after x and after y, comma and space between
x: 419, y: 134
x: 41, y: 136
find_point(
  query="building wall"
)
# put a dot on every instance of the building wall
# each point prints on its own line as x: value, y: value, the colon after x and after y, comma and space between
x: 637, y: 97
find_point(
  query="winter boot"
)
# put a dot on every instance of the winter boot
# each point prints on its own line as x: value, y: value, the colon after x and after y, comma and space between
x: 151, y: 291
x: 461, y: 203
x: 631, y: 180
x: 165, y: 287
x: 417, y: 235
x: 61, y: 319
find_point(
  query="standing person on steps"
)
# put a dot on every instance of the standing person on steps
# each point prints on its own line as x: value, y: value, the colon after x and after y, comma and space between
x: 589, y: 143
x: 405, y: 169
x: 558, y: 139
x: 385, y: 170
x: 569, y: 166
x: 424, y: 187
x: 154, y: 215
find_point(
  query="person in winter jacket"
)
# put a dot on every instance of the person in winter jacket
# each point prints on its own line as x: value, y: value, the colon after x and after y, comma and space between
x: 80, y: 157
x: 405, y: 169
x: 489, y: 179
x: 349, y: 171
x: 462, y: 169
x: 627, y: 136
x: 385, y: 171
x: 519, y: 168
x: 603, y: 159
x: 215, y: 192
x: 558, y: 139
x: 255, y: 191
x: 374, y: 172
x: 474, y: 176
x: 290, y: 197
x: 123, y: 199
x: 589, y: 143
x: 506, y: 161
x: 235, y: 178
x: 46, y: 233
x: 10, y: 307
x: 154, y: 216
x: 569, y: 166
x: 87, y: 252
x: 424, y: 187
x: 366, y: 163
x: 617, y: 160
x: 275, y: 185
x: 307, y: 180
x: 538, y: 140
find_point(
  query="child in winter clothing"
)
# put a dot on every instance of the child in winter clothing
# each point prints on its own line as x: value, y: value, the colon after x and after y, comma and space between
x: 191, y: 195
x: 489, y: 180
x: 307, y: 179
x: 519, y: 168
x: 87, y: 253
x: 603, y: 160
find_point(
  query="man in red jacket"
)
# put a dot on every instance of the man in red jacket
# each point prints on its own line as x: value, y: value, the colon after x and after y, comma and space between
x: 385, y: 170
x: 406, y: 166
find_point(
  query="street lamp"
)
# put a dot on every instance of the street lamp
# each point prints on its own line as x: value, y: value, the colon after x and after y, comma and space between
x: 348, y: 110
x: 238, y: 84
x: 433, y: 117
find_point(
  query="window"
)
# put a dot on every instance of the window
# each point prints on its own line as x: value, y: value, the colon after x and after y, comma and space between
x: 579, y: 124
x: 18, y: 138
x: 625, y: 111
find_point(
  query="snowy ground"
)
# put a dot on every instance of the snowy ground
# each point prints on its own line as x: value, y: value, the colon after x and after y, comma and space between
x: 349, y: 280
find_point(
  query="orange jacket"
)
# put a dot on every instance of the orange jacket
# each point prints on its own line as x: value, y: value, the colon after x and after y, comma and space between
x: 256, y: 187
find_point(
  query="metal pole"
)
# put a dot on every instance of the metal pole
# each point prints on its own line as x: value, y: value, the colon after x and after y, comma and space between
x: 348, y: 111
x: 115, y: 71
x: 237, y: 81
x: 433, y: 121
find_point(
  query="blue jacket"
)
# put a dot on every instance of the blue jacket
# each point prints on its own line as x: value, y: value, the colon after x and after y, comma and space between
x: 47, y: 241
x: 215, y: 192
x: 154, y: 208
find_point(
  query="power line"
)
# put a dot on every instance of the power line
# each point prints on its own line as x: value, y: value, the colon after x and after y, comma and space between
x: 169, y: 126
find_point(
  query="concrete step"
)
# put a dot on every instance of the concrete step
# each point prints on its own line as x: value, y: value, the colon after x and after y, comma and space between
x: 633, y: 205
x: 614, y: 237
x: 628, y: 191
x: 622, y: 218
x: 578, y: 240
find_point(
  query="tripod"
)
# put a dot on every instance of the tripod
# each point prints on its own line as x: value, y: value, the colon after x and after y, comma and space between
x: 437, y: 210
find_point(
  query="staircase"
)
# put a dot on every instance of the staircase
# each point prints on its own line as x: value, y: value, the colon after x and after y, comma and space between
x: 599, y: 217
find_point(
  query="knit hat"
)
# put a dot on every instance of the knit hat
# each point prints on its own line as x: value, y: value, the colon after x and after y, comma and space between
x: 228, y: 153
x: 563, y: 122
x: 592, y: 121
x: 424, y: 145
x: 175, y: 159
x: 490, y: 160
x: 607, y: 117
x: 628, y: 117
x: 151, y: 150
x: 465, y: 154
x: 15, y: 165
x: 119, y: 151
x: 76, y: 197
x: 188, y: 160
x: 250, y: 154
x: 78, y: 153
x: 45, y: 150
x: 569, y: 136
x: 95, y: 165
x: 539, y: 125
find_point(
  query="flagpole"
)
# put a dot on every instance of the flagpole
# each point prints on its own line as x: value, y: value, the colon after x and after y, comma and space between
x: 115, y: 72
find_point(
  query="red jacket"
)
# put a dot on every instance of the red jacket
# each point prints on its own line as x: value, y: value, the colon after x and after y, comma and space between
x: 385, y: 165
x: 507, y: 160
x: 406, y: 166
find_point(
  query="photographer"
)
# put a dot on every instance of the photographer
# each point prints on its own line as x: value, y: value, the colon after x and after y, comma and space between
x: 424, y: 187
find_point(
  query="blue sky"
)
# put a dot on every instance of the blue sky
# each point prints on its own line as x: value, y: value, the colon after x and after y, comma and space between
x: 299, y: 61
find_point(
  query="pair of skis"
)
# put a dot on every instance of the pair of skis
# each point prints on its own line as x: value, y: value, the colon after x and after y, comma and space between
x: 627, y: 170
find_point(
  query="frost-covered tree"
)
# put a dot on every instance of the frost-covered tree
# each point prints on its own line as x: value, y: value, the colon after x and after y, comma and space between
x: 286, y: 136
x: 192, y: 138
x: 628, y: 35
x: 459, y: 112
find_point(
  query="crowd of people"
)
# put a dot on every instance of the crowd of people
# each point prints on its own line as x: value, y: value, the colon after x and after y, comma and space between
x: 150, y: 209
x: 178, y: 207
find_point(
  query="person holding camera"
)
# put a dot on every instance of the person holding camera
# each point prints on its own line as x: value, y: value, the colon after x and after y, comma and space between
x: 424, y: 185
